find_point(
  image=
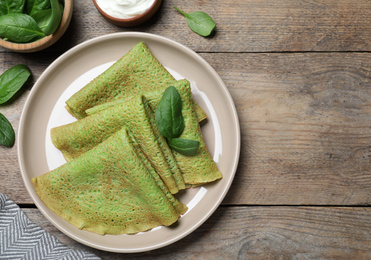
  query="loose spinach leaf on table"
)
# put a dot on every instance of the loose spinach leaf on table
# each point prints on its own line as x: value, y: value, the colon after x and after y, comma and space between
x: 12, y: 80
x: 19, y: 28
x: 12, y: 6
x: 7, y: 135
x: 184, y: 146
x: 168, y: 115
x: 199, y: 22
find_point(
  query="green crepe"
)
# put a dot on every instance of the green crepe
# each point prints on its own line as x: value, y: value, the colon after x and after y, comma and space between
x: 108, y: 190
x: 137, y: 72
x: 200, y: 168
x: 179, y: 207
x: 80, y: 136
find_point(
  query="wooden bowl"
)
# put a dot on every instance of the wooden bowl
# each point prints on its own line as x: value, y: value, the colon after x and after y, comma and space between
x: 46, y: 41
x: 131, y: 22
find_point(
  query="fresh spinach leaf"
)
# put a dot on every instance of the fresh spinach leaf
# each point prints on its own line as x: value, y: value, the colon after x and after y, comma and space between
x: 34, y: 6
x: 7, y: 135
x: 199, y: 22
x: 54, y: 19
x: 12, y: 80
x: 42, y: 18
x: 184, y: 146
x: 12, y: 6
x: 47, y: 14
x: 19, y: 28
x: 170, y: 122
x: 168, y: 115
x: 24, y: 21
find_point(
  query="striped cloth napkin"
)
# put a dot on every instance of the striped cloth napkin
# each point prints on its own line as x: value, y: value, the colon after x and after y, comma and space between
x: 20, y: 238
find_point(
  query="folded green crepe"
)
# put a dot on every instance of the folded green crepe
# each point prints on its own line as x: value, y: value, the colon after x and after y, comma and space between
x: 137, y: 72
x: 152, y: 97
x: 107, y: 190
x: 179, y: 207
x: 80, y: 136
x: 200, y: 168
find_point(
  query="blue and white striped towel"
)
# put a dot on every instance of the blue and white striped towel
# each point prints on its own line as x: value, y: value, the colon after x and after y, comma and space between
x: 20, y: 238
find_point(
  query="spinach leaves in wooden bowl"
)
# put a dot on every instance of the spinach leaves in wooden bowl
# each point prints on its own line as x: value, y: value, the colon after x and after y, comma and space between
x: 32, y: 25
x: 23, y: 21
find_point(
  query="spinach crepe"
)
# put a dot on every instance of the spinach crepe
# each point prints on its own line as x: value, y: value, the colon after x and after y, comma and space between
x: 200, y: 168
x: 137, y: 72
x: 197, y: 169
x: 80, y: 136
x: 108, y: 190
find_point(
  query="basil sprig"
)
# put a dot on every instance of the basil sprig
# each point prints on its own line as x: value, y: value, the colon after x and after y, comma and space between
x: 7, y: 135
x: 199, y: 22
x: 170, y: 122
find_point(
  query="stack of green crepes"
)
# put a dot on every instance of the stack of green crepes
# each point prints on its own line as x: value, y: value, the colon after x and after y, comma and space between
x: 121, y: 175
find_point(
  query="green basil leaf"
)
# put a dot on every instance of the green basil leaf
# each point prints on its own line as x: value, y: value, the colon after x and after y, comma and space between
x: 12, y: 6
x: 19, y: 28
x: 12, y: 80
x: 184, y: 146
x: 168, y: 115
x: 7, y: 135
x: 199, y: 22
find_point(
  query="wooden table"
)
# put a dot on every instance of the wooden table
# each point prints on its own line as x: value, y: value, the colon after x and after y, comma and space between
x: 299, y: 72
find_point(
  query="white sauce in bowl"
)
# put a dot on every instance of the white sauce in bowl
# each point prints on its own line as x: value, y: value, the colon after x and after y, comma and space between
x: 124, y: 9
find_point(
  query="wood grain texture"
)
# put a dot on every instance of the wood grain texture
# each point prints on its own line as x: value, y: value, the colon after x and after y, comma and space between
x: 260, y: 233
x: 299, y: 73
x: 305, y: 125
x: 244, y: 26
x: 256, y: 26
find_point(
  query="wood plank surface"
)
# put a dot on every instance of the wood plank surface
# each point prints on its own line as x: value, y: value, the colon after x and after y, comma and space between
x: 245, y: 26
x: 305, y: 125
x: 260, y: 233
x: 299, y: 72
x: 252, y: 26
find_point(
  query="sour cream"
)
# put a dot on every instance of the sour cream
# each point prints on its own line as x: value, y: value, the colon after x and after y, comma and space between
x: 124, y: 9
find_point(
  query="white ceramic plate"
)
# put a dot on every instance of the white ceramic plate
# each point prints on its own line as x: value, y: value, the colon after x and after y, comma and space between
x: 44, y: 109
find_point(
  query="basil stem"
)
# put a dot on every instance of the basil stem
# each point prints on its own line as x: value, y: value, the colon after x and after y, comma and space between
x: 184, y: 146
x: 12, y: 80
x: 199, y: 22
x: 168, y: 115
x: 7, y: 135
